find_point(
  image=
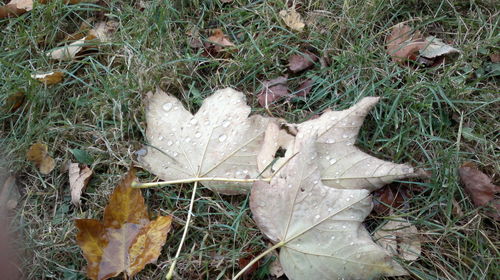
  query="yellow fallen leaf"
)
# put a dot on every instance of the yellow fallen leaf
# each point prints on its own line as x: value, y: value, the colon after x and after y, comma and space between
x: 50, y: 78
x: 125, y: 228
x: 38, y: 154
x: 292, y: 19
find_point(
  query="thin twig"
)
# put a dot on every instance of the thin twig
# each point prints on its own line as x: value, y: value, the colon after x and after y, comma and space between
x: 170, y: 273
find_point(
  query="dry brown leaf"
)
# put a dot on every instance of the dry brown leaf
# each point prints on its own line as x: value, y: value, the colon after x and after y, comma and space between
x: 292, y: 19
x: 220, y: 140
x: 399, y: 238
x: 126, y: 239
x: 273, y: 90
x: 14, y: 101
x: 218, y: 41
x: 405, y: 45
x: 50, y: 78
x: 301, y: 62
x: 38, y: 154
x: 479, y: 187
x: 495, y: 58
x: 16, y: 8
x: 305, y: 87
x: 390, y: 196
x: 318, y: 228
x: 79, y: 176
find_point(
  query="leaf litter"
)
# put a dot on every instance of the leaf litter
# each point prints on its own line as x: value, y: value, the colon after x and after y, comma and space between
x: 272, y: 91
x: 126, y: 239
x: 399, y: 238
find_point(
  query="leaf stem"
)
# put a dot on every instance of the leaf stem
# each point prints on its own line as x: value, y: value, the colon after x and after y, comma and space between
x: 256, y: 259
x: 136, y: 184
x: 170, y: 273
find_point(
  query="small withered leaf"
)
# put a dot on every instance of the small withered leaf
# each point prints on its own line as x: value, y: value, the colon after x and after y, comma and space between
x: 301, y: 62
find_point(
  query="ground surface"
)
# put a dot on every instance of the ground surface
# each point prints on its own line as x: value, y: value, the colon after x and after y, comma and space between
x: 98, y: 108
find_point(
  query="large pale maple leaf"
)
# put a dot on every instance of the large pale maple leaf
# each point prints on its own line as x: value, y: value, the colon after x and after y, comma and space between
x: 220, y: 140
x: 318, y: 228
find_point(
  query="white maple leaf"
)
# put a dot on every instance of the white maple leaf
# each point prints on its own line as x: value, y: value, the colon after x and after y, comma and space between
x: 317, y: 227
x: 342, y: 165
x: 220, y: 140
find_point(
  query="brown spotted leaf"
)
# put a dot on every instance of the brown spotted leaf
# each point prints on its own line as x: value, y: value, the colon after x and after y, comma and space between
x: 126, y: 239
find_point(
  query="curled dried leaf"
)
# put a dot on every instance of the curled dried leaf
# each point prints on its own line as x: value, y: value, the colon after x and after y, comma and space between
x: 292, y: 19
x: 101, y: 33
x: 78, y: 179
